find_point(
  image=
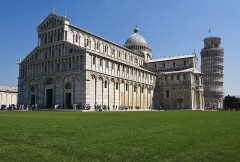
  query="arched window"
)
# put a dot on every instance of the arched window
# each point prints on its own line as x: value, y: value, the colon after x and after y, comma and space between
x: 167, y: 93
x: 105, y: 84
x: 94, y: 60
x: 76, y: 38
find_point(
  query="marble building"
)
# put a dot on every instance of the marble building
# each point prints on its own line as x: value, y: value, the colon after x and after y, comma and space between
x: 178, y: 83
x: 73, y: 66
x: 212, y: 56
x: 8, y: 95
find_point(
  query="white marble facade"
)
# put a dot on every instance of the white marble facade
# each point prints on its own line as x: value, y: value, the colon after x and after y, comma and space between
x: 73, y: 66
x: 8, y: 96
x: 179, y: 83
x: 212, y: 66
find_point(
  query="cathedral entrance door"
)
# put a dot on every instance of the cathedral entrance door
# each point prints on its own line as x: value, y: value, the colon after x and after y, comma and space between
x: 49, y: 98
x: 180, y: 102
x: 68, y: 99
x: 32, y: 100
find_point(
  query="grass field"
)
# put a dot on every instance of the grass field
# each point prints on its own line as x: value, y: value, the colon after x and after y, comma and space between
x: 120, y: 136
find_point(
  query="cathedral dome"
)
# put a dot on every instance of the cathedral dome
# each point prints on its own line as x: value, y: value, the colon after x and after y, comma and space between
x: 135, y: 39
x: 138, y: 44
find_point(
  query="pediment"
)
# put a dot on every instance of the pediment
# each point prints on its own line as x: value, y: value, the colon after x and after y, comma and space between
x: 51, y: 21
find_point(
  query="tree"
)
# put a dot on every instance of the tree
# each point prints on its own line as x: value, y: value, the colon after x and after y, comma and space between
x: 231, y: 102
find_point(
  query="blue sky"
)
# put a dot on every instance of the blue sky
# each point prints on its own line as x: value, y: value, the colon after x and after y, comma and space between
x: 171, y: 27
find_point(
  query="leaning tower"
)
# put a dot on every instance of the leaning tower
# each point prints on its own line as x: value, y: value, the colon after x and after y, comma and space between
x: 212, y: 57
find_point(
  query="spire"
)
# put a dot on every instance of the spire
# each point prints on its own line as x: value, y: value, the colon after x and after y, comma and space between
x: 136, y: 29
x: 52, y: 9
x: 65, y: 14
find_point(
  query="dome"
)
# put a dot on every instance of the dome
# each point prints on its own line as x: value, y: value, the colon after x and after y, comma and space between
x: 136, y: 39
x: 139, y: 45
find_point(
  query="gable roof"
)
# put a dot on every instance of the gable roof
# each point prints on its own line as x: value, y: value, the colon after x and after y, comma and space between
x: 50, y: 16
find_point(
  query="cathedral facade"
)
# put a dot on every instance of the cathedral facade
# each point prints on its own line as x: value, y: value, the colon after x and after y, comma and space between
x: 71, y: 66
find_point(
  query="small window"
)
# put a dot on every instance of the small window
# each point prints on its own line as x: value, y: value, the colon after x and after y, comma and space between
x: 174, y: 64
x: 184, y: 76
x: 164, y: 65
x: 155, y: 66
x: 135, y: 88
x: 94, y: 60
x: 126, y: 87
x: 76, y: 38
x: 166, y: 78
x: 167, y: 93
x: 105, y: 49
x: 171, y: 77
x: 184, y: 63
x: 105, y: 84
x: 116, y: 85
x: 87, y: 42
x: 178, y: 77
x: 65, y: 35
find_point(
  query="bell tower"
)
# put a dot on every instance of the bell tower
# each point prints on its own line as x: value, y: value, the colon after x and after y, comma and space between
x: 212, y: 58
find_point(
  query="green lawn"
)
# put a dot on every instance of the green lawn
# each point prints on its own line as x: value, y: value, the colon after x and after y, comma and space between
x: 120, y: 136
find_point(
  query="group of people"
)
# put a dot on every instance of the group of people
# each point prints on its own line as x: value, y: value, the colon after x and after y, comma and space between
x: 26, y: 107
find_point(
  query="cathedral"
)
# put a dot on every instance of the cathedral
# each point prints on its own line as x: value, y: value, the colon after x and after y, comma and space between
x: 71, y: 66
